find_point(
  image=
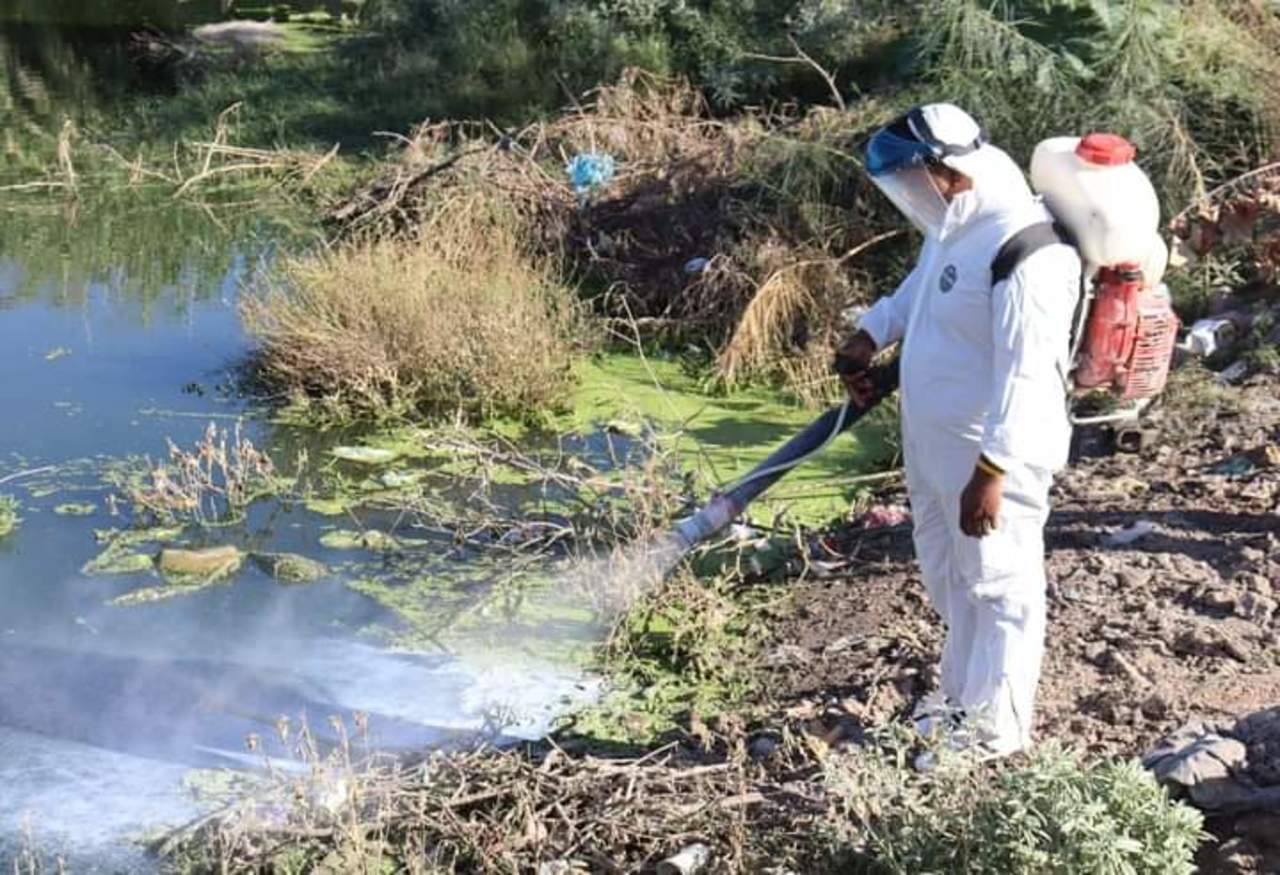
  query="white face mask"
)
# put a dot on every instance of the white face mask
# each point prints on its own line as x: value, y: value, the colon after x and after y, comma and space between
x: 916, y: 196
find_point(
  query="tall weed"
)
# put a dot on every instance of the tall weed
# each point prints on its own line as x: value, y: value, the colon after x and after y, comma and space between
x: 459, y: 319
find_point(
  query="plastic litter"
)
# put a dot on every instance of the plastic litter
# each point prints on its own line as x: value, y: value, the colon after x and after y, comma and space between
x: 1210, y: 335
x: 689, y: 861
x: 1131, y: 534
x: 696, y: 265
x: 1235, y: 466
x: 364, y: 455
x: 884, y: 516
x: 589, y: 171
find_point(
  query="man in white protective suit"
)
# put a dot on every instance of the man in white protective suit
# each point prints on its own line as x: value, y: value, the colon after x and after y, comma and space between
x: 984, y: 414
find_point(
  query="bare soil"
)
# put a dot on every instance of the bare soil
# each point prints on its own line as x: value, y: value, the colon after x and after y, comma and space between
x: 1180, y: 624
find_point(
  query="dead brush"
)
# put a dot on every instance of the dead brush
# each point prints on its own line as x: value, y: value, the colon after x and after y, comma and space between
x: 744, y: 236
x: 525, y: 810
x: 459, y: 320
x: 214, y: 481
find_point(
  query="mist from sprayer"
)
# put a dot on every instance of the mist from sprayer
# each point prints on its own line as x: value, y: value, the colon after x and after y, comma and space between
x: 103, y: 730
x: 612, y: 583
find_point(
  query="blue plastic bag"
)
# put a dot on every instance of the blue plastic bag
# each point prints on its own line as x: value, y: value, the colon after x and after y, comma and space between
x: 589, y: 171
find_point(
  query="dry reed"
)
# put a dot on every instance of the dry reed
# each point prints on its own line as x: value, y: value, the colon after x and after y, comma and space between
x: 460, y: 319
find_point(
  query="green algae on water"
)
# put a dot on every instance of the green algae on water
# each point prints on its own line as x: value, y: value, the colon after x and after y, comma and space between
x: 118, y: 560
x: 372, y: 540
x: 9, y: 518
x: 118, y: 555
x: 76, y: 508
x: 290, y: 567
x: 722, y: 436
x: 186, y: 572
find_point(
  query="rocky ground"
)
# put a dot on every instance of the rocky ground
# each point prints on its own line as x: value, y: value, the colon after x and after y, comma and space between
x: 1180, y: 624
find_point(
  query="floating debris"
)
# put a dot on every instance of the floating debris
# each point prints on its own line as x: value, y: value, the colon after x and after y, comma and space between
x: 347, y: 539
x: 365, y: 455
x: 401, y: 479
x: 336, y: 506
x: 56, y: 353
x: 76, y: 508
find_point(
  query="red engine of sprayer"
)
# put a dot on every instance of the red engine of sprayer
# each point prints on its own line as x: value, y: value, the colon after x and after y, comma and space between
x: 1129, y: 336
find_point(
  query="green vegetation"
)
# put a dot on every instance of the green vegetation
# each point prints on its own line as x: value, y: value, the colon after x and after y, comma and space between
x: 680, y: 655
x: 1052, y: 813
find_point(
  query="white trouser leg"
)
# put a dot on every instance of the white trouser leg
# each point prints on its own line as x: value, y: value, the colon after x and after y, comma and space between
x: 990, y: 592
x: 931, y: 532
x: 1005, y: 586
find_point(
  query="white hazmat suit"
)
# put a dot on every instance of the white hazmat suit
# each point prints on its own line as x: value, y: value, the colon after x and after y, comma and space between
x: 984, y: 372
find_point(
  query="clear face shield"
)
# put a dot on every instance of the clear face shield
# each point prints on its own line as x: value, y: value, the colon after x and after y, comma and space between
x: 913, y: 191
x: 897, y: 165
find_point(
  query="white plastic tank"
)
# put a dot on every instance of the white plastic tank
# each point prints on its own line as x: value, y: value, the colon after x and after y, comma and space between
x: 1093, y: 186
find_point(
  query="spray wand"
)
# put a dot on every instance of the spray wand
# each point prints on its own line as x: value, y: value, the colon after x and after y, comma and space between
x: 729, y: 503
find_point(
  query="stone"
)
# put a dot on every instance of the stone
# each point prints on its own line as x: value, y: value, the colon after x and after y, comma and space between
x: 763, y: 747
x: 1215, y: 765
x: 1259, y: 608
x: 290, y: 567
x: 1132, y: 578
x: 1194, y: 755
x: 1254, y: 582
x: 1262, y: 827
x: 211, y: 563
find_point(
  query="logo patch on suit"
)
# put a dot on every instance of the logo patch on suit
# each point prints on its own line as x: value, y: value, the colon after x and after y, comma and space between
x: 948, y: 279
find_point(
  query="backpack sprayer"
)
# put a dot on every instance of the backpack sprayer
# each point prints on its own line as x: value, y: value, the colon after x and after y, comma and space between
x: 1124, y: 332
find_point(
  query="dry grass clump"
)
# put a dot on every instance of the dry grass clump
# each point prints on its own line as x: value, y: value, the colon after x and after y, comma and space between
x: 460, y: 319
x: 220, y: 476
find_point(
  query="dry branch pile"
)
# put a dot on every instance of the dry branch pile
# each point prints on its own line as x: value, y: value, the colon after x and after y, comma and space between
x: 518, y: 811
x: 1243, y: 213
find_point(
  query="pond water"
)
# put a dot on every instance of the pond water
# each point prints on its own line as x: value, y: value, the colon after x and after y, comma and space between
x: 119, y: 332
x: 104, y: 709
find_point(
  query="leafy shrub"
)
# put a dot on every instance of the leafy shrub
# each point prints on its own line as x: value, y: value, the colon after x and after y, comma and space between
x: 1193, y: 84
x: 1053, y: 813
x: 459, y: 319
